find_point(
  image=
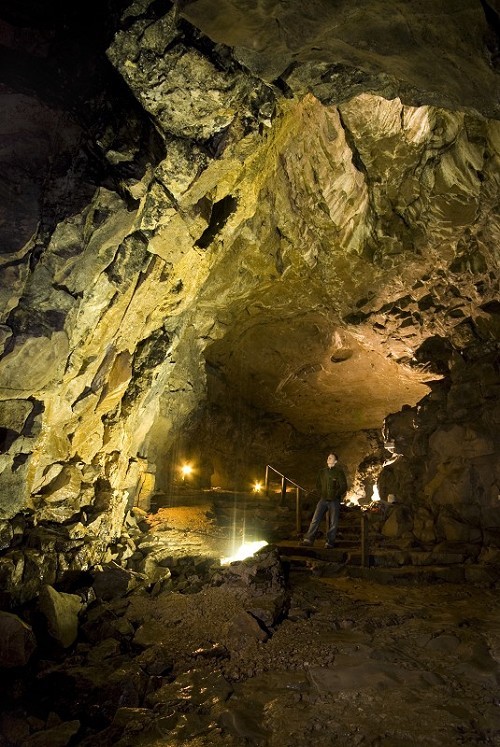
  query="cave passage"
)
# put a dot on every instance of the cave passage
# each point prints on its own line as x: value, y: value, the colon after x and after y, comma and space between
x: 237, y: 235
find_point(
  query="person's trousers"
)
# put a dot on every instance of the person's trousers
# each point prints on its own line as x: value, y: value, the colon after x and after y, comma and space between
x: 332, y: 509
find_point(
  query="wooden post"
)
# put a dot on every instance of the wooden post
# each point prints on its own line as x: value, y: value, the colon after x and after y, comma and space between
x: 283, y: 491
x: 365, y: 558
x: 298, y: 512
x: 266, y: 481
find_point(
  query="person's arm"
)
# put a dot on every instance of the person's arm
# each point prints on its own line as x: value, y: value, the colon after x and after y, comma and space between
x: 343, y: 483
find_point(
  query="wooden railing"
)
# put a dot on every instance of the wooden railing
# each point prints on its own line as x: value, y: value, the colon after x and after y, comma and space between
x: 285, y: 481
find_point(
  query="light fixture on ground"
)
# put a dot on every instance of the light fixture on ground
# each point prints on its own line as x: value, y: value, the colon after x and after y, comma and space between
x: 245, y: 550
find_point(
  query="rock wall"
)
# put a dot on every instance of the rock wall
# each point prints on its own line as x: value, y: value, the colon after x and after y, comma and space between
x: 448, y: 471
x: 99, y: 267
x: 176, y: 216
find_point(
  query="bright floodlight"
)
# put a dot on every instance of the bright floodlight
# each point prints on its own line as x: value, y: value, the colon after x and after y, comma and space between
x: 244, y: 551
x: 257, y: 487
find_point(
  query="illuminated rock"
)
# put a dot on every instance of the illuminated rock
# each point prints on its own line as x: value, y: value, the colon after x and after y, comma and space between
x: 61, y: 614
x: 278, y: 228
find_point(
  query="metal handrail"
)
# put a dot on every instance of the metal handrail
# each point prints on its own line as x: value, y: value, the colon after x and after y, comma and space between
x: 365, y: 539
x: 292, y: 482
x: 284, y: 482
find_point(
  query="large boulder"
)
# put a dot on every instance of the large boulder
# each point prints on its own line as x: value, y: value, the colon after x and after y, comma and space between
x: 399, y: 521
x: 17, y: 641
x: 61, y: 614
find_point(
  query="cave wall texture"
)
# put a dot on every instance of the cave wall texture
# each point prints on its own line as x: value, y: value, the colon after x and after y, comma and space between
x: 244, y: 232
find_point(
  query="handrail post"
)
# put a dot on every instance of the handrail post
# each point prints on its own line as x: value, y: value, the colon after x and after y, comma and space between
x: 298, y: 514
x: 284, y: 482
x: 364, y: 542
x: 283, y: 491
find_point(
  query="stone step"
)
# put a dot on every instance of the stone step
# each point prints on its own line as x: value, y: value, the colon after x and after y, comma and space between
x: 332, y: 563
x: 291, y: 549
x: 381, y: 562
x: 407, y: 574
x: 394, y: 566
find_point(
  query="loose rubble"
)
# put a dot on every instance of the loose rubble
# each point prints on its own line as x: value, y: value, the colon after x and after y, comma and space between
x: 262, y: 651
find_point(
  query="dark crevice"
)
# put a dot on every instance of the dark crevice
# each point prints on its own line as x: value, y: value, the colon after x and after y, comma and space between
x: 356, y: 159
x: 19, y: 460
x: 493, y: 38
x: 7, y: 438
x: 64, y: 289
x: 31, y: 426
x: 283, y: 87
x: 221, y: 211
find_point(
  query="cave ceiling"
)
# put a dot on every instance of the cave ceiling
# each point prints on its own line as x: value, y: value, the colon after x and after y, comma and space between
x: 275, y: 203
x: 435, y: 52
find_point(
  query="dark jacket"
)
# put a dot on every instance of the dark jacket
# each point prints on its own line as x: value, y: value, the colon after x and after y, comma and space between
x: 331, y: 483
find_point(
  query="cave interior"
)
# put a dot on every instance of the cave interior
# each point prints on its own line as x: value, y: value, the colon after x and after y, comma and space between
x: 236, y: 235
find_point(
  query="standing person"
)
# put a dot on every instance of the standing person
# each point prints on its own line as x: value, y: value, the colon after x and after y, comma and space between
x: 332, y: 487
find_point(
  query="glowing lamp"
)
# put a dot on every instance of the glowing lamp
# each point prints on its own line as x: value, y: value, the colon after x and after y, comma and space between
x: 257, y: 487
x: 186, y: 470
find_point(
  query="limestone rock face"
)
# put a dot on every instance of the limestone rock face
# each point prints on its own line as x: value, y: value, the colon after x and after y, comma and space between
x: 237, y: 233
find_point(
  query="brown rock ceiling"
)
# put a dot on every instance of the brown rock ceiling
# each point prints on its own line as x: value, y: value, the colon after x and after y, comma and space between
x: 287, y: 219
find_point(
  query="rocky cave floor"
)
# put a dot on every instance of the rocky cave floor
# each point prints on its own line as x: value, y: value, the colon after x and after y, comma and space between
x: 259, y: 652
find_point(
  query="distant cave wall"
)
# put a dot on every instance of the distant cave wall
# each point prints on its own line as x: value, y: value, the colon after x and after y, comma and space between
x: 448, y: 471
x: 228, y: 441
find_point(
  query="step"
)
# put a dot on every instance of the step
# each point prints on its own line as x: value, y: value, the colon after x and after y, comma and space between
x: 407, y: 574
x: 291, y: 549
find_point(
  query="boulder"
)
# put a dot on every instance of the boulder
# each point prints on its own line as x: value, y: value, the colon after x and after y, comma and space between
x: 58, y: 736
x: 17, y: 641
x: 460, y: 441
x: 148, y: 634
x: 112, y: 581
x: 423, y: 526
x: 61, y: 614
x: 244, y: 626
x: 268, y: 609
x: 33, y: 363
x: 398, y: 522
x: 453, y: 530
x: 14, y: 413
